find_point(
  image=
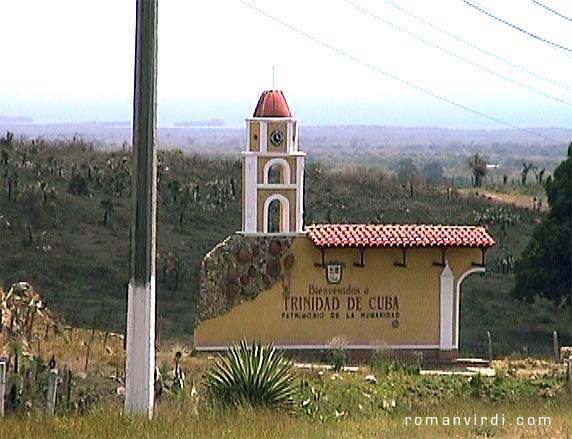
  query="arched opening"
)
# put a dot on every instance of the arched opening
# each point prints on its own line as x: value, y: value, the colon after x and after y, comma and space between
x: 275, y: 174
x: 472, y: 317
x: 276, y: 214
x: 277, y: 171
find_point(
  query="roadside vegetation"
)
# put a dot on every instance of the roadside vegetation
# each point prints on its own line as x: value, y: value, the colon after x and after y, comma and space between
x: 65, y: 215
x: 64, y: 243
x: 380, y: 398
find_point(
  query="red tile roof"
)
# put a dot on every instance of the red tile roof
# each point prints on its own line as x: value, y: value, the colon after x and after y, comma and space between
x: 272, y: 103
x: 387, y: 235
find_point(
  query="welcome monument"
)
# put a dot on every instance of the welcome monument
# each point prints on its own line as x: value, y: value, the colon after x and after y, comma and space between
x: 396, y: 286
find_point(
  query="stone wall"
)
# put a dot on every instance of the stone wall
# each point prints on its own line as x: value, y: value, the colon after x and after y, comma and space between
x: 240, y: 268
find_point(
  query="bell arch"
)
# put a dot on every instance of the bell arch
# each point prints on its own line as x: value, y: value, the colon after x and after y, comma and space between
x: 284, y: 213
x: 285, y: 171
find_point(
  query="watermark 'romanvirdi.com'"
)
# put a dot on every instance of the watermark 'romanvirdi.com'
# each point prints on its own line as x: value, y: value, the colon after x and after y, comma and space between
x: 477, y: 421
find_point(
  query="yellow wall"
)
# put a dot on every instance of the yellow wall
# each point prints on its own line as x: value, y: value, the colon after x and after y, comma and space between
x: 254, y: 133
x: 282, y: 126
x: 269, y: 316
x: 265, y: 159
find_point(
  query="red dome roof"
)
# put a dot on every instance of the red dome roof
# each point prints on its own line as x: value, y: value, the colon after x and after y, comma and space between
x: 272, y: 103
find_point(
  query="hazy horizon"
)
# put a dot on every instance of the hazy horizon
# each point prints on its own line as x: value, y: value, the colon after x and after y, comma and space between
x: 413, y: 63
x: 405, y: 112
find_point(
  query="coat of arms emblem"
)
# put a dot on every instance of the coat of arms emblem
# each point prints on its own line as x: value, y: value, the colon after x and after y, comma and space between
x: 334, y: 273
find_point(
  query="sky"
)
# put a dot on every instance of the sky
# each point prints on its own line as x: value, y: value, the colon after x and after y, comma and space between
x: 72, y: 60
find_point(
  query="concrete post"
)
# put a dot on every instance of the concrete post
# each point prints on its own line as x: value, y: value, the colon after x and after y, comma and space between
x: 556, y: 347
x: 52, y: 390
x: 447, y: 293
x: 490, y: 345
x: 2, y: 386
x: 140, y: 362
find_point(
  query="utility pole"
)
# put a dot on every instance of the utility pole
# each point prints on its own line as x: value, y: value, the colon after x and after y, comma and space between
x: 569, y: 157
x: 140, y: 367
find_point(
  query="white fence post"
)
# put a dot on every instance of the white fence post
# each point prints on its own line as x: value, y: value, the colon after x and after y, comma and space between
x: 2, y: 386
x: 52, y: 389
x: 490, y: 345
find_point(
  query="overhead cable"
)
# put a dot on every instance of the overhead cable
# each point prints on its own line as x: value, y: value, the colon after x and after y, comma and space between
x: 551, y: 10
x: 392, y: 76
x: 486, y: 52
x: 454, y: 55
x: 518, y: 28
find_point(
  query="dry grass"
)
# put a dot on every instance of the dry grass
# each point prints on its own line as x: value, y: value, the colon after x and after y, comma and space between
x: 100, y: 350
x: 177, y: 420
x: 531, y: 368
x: 515, y: 199
x: 71, y: 348
x: 184, y: 416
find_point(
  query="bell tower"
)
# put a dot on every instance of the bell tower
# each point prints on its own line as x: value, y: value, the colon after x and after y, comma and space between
x: 272, y: 169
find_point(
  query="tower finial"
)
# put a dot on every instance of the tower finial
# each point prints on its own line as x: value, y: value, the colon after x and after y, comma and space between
x: 272, y: 77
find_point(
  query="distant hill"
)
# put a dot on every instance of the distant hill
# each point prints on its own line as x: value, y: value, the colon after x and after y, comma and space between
x: 203, y: 133
x: 15, y: 119
x: 200, y: 123
x: 374, y: 135
x: 343, y: 145
x: 64, y: 227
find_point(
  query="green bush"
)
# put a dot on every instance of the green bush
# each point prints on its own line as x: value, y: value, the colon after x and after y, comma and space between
x: 257, y: 376
x: 337, y: 352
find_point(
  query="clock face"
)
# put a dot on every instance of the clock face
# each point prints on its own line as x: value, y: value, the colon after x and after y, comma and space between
x: 276, y: 137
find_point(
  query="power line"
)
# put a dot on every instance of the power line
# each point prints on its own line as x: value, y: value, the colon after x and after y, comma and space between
x: 392, y: 76
x: 551, y: 10
x: 486, y: 52
x: 454, y: 55
x: 549, y: 46
x: 530, y: 34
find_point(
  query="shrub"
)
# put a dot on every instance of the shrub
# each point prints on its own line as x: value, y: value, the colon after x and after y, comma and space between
x: 78, y: 185
x: 257, y: 376
x: 337, y: 350
x: 477, y: 386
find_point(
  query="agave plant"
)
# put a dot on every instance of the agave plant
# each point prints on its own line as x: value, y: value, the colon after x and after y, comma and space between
x: 257, y: 376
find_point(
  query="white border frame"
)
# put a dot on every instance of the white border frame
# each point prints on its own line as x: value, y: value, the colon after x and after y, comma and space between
x: 285, y: 213
x: 250, y: 201
x: 286, y: 171
x: 263, y: 136
x: 300, y: 168
x: 446, y: 303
